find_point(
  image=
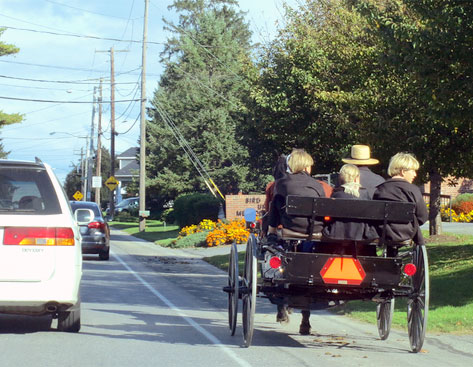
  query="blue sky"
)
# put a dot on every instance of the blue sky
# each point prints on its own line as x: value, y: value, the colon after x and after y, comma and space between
x: 67, y: 68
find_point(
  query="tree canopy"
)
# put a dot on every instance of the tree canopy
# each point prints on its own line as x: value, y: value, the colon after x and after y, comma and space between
x: 5, y: 118
x: 393, y: 74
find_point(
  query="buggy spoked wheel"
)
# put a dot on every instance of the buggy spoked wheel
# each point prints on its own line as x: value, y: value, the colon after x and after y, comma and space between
x: 249, y: 290
x: 418, y: 303
x: 384, y: 317
x: 233, y: 288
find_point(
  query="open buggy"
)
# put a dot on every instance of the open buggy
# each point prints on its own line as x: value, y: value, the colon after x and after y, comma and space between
x: 335, y: 272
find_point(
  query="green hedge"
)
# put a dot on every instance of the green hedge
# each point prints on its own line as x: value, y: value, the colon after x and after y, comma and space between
x: 462, y: 198
x: 193, y: 208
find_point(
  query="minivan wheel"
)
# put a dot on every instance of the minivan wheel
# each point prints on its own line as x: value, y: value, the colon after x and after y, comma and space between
x: 104, y: 255
x: 69, y: 321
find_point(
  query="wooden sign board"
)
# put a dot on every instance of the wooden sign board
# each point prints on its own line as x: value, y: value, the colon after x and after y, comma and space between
x: 236, y: 204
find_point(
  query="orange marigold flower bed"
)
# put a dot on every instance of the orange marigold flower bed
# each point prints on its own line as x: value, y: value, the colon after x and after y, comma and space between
x: 226, y: 233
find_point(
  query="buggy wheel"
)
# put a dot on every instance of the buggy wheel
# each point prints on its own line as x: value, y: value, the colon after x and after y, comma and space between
x: 249, y: 290
x: 234, y: 289
x: 418, y: 303
x: 384, y: 317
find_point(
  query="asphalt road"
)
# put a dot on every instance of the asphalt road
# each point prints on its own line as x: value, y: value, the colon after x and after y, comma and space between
x: 150, y: 306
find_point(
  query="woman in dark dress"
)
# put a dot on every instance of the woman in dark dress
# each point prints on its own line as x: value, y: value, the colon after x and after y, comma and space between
x: 350, y: 230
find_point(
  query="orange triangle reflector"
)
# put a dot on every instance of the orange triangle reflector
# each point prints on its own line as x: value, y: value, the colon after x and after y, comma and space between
x: 342, y: 270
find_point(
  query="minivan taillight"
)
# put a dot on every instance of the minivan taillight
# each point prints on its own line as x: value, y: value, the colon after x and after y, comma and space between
x: 97, y: 225
x: 38, y: 236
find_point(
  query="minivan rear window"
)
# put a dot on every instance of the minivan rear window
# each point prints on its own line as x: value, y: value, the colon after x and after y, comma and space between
x: 27, y: 190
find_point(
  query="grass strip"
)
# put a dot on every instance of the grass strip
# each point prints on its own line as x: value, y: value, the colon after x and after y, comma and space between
x: 155, y: 232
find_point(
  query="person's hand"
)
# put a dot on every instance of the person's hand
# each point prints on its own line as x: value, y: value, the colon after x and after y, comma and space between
x: 272, y: 238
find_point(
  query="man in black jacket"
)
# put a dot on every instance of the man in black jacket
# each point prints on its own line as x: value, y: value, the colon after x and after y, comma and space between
x: 402, y: 169
x: 361, y: 157
x: 297, y: 182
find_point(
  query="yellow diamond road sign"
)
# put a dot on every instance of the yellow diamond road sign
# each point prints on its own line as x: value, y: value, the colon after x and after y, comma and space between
x: 78, y: 196
x: 111, y: 183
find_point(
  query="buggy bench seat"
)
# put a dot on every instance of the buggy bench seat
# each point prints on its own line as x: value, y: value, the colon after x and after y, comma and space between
x: 375, y: 212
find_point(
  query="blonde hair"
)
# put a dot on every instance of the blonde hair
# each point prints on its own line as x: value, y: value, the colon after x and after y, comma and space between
x: 299, y: 160
x: 348, y: 173
x: 402, y: 161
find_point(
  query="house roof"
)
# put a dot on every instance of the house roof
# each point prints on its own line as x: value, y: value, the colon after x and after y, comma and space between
x: 129, y: 153
x: 132, y: 169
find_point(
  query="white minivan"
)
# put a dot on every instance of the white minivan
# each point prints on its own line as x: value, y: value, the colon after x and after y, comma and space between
x: 40, y: 245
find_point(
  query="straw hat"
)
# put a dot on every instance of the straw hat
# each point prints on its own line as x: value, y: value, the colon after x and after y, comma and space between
x: 361, y: 156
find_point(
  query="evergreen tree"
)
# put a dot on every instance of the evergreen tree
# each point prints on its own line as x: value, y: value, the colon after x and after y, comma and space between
x: 200, y: 92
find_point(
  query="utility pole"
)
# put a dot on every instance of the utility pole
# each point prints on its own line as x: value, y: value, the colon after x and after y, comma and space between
x: 98, y: 168
x: 86, y: 168
x: 91, y: 149
x: 112, y: 124
x: 82, y: 169
x: 142, y: 189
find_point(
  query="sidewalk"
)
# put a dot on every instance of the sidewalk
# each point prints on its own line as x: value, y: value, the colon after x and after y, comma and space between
x: 453, y: 227
x: 192, y: 252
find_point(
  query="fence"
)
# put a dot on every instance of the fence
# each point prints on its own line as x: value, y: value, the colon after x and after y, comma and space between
x: 445, y: 202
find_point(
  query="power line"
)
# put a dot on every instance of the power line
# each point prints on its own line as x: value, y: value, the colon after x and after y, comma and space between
x: 188, y: 150
x: 203, y: 85
x: 77, y: 35
x: 66, y: 68
x: 51, y: 101
x: 32, y: 87
x: 83, y: 81
x: 9, y: 128
x: 131, y: 127
x: 84, y: 10
x: 52, y: 66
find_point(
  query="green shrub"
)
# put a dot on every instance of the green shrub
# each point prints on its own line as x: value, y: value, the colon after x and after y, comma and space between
x: 126, y: 217
x: 461, y: 198
x: 193, y: 208
x: 168, y: 216
x: 463, y: 203
x: 192, y: 240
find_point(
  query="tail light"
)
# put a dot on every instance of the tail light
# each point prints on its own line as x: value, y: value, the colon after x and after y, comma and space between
x: 275, y: 262
x: 410, y: 269
x: 38, y: 236
x: 97, y: 225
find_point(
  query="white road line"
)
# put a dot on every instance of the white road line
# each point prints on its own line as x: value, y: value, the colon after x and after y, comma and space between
x: 214, y: 340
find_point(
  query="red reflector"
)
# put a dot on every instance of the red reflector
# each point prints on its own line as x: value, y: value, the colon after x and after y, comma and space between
x: 252, y: 225
x: 343, y: 270
x: 96, y: 225
x: 39, y: 236
x: 410, y: 269
x: 275, y: 262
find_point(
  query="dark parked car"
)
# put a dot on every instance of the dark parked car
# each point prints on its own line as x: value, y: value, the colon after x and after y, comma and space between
x: 95, y: 234
x: 129, y: 205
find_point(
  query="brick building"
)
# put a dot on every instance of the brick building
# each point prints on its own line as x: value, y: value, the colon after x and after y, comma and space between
x: 453, y: 186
